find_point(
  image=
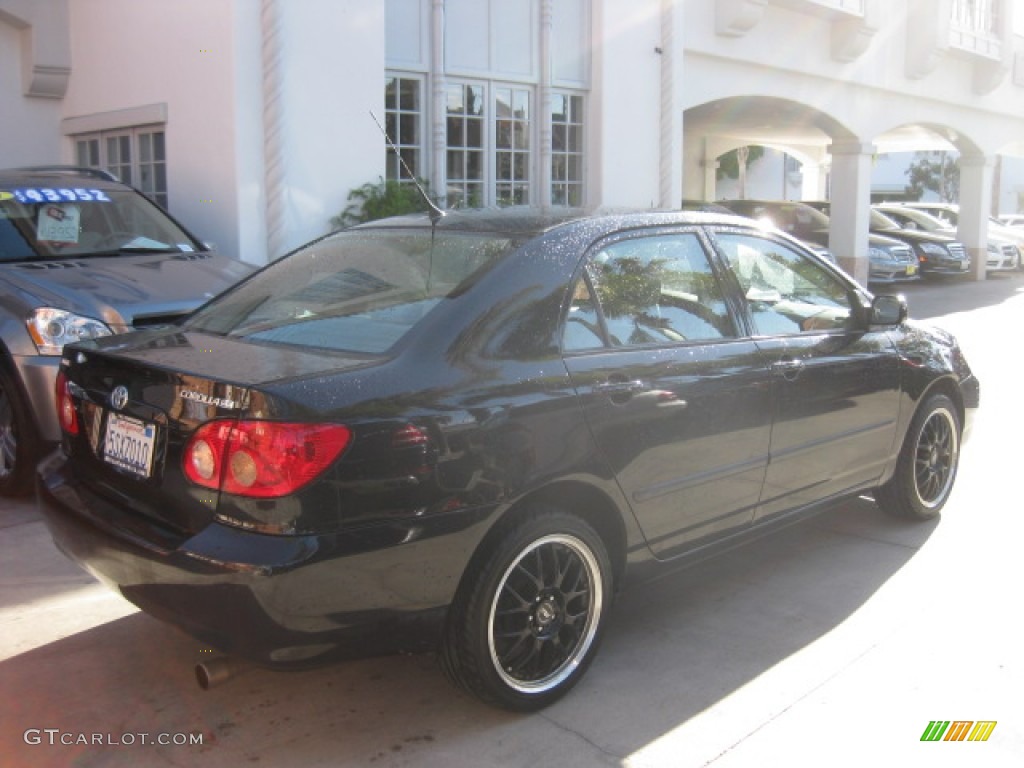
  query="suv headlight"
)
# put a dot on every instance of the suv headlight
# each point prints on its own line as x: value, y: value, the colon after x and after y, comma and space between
x: 51, y: 329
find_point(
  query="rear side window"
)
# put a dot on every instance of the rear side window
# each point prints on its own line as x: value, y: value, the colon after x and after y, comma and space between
x: 356, y: 291
x: 647, y: 290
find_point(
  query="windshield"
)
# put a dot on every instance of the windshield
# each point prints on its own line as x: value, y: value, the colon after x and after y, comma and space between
x: 923, y: 220
x: 357, y: 291
x: 795, y: 218
x: 47, y: 223
x: 881, y: 221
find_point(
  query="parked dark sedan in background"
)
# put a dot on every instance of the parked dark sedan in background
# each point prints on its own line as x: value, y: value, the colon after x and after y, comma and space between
x: 890, y: 260
x: 937, y: 254
x: 1002, y: 255
x: 81, y: 255
x: 468, y: 433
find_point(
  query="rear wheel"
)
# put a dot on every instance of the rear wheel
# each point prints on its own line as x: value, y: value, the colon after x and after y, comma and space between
x: 529, y: 616
x: 17, y: 440
x: 927, y: 464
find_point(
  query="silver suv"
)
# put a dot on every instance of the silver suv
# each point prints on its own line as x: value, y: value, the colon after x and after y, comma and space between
x: 81, y: 255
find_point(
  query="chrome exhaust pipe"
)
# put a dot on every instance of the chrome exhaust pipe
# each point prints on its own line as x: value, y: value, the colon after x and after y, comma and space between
x: 215, y: 671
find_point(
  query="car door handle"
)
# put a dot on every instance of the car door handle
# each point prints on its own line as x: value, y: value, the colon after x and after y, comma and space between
x: 620, y: 387
x: 788, y: 367
x: 620, y: 391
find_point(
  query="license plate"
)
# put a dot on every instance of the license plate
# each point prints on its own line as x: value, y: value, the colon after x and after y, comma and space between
x: 911, y: 269
x: 128, y: 444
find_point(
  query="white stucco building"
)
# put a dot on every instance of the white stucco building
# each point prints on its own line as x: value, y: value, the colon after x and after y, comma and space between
x: 252, y: 119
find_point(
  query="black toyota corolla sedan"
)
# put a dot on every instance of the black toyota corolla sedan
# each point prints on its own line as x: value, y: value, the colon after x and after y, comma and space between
x: 467, y: 434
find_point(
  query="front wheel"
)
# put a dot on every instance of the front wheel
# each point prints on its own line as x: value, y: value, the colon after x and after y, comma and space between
x: 18, y: 450
x: 927, y: 463
x: 527, y: 620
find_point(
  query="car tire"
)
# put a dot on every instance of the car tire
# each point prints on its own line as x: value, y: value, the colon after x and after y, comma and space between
x: 927, y: 464
x: 530, y: 612
x: 17, y: 439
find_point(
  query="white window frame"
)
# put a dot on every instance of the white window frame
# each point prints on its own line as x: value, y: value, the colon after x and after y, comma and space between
x: 577, y: 118
x: 393, y: 169
x: 142, y: 175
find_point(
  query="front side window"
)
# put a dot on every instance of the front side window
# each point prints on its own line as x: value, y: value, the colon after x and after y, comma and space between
x: 649, y: 290
x: 786, y: 291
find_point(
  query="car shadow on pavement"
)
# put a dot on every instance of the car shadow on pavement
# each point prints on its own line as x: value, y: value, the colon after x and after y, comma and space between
x: 674, y: 647
x: 956, y: 294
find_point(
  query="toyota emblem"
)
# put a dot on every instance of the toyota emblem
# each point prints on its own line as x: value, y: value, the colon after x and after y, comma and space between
x: 118, y: 397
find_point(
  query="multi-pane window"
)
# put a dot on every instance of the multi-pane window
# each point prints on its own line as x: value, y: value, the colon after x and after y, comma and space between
x: 403, y: 121
x: 567, y: 149
x: 490, y: 153
x: 465, y: 154
x: 512, y: 146
x: 136, y: 156
x: 152, y: 165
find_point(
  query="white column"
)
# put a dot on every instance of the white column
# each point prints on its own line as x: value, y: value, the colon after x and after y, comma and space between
x: 813, y: 182
x: 851, y: 205
x: 438, y: 126
x: 670, y: 168
x: 975, y: 204
x: 273, y: 136
x: 624, y: 108
x: 698, y: 168
x: 543, y: 116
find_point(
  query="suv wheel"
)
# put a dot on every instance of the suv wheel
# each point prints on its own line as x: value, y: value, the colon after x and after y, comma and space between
x: 17, y: 442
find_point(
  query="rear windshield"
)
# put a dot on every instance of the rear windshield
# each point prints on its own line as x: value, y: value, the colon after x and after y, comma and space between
x: 54, y: 222
x: 356, y: 291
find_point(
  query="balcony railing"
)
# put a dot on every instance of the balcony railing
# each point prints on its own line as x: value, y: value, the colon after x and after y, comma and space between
x: 975, y: 27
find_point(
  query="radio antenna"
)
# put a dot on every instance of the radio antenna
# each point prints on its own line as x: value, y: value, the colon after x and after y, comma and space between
x: 435, y: 213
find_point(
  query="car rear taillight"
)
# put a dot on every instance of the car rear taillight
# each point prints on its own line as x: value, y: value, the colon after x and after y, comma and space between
x: 66, y: 414
x: 262, y: 459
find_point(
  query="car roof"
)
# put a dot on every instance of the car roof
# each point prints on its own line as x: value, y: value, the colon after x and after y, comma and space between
x: 54, y: 175
x: 526, y: 221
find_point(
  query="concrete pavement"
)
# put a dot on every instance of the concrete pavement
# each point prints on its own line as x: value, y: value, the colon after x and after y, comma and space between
x: 834, y: 642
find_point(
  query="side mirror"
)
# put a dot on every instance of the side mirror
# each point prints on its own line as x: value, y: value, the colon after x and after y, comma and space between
x: 888, y: 310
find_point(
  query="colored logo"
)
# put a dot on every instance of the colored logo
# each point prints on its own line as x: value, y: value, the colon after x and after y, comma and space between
x: 958, y: 730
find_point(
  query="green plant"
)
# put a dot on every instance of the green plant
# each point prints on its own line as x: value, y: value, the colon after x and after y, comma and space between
x: 729, y: 163
x: 380, y: 200
x: 935, y: 171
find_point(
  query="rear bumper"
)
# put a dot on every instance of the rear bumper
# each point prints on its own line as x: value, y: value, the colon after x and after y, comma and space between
x: 277, y: 600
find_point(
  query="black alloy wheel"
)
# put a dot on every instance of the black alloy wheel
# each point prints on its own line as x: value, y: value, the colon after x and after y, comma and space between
x: 927, y: 465
x: 529, y: 617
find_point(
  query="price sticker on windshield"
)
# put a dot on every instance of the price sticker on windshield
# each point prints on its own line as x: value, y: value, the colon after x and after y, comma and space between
x: 59, y: 195
x: 58, y: 223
